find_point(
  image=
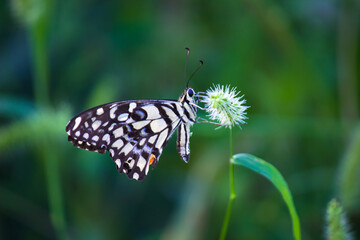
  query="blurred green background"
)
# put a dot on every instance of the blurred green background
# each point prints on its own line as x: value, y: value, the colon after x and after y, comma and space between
x: 297, y: 62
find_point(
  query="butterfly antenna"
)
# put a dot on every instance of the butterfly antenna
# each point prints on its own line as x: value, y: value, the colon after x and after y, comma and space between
x: 186, y: 61
x: 201, y: 63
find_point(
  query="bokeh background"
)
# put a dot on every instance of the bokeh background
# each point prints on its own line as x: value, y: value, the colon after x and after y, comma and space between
x: 297, y: 62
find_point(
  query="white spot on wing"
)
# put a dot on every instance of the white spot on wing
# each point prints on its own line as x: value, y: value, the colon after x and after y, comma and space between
x: 132, y: 106
x: 118, y: 132
x: 158, y: 125
x: 99, y: 111
x: 118, y: 163
x: 127, y: 148
x: 136, y: 176
x: 96, y: 124
x: 161, y: 139
x: 112, y: 126
x: 86, y: 135
x: 142, y: 141
x: 123, y: 117
x: 77, y: 122
x: 77, y: 133
x: 152, y: 139
x: 106, y: 138
x: 147, y: 169
x: 118, y: 144
x: 152, y: 112
x: 141, y: 163
x: 95, y: 138
x: 111, y: 152
x: 112, y: 112
x: 140, y: 124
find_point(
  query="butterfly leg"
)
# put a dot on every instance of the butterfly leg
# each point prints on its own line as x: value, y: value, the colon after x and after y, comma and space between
x: 206, y: 121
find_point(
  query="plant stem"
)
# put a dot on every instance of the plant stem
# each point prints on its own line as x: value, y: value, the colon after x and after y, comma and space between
x: 51, y: 162
x: 347, y: 62
x: 38, y: 45
x: 232, y: 193
x: 47, y: 152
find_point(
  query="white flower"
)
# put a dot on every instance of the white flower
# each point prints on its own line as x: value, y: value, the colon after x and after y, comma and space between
x: 224, y: 105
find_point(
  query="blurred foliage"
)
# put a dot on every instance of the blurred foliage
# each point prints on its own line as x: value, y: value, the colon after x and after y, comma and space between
x: 349, y: 174
x: 297, y: 62
x: 35, y: 129
x: 30, y: 12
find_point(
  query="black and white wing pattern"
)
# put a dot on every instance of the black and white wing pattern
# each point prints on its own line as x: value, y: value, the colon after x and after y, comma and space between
x: 135, y: 131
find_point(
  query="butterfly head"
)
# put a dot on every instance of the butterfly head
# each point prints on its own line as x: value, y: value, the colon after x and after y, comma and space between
x: 189, y: 96
x: 190, y: 92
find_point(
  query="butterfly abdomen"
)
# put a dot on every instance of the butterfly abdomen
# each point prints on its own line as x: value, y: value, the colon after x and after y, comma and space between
x: 183, y: 141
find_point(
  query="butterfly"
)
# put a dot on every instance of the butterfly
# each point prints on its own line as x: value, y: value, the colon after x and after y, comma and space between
x: 135, y: 132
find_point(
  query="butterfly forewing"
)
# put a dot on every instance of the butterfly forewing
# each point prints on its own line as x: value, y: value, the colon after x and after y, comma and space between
x: 134, y: 132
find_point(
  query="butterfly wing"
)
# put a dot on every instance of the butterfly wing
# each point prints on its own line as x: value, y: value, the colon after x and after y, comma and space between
x: 134, y: 132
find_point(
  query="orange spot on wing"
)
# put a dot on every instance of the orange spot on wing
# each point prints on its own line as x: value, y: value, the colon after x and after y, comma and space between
x: 152, y: 158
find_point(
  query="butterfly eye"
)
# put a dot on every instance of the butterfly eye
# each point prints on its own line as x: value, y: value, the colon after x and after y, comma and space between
x: 191, y: 92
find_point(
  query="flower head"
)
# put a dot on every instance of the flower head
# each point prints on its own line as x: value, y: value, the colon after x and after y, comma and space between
x: 225, y: 105
x: 338, y: 226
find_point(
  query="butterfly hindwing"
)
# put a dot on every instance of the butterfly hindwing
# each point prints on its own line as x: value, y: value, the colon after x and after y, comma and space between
x: 134, y: 132
x: 135, y: 157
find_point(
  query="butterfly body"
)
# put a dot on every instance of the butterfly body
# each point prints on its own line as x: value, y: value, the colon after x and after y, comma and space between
x: 135, y: 132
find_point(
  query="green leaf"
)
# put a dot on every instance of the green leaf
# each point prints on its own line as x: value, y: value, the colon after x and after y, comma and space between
x: 270, y: 172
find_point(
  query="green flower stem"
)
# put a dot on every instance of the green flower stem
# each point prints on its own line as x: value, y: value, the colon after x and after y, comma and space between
x: 232, y: 193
